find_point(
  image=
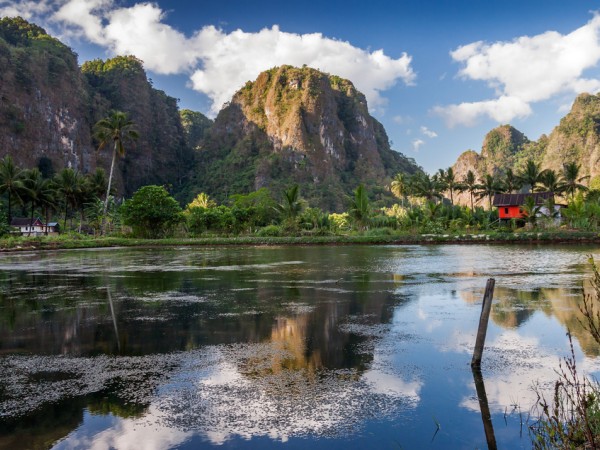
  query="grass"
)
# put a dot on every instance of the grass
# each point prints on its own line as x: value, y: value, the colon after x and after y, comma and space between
x: 74, y: 240
x: 570, y: 419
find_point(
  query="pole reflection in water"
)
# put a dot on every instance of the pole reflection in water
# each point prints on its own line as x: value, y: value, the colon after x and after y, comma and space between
x: 114, y: 318
x: 486, y: 417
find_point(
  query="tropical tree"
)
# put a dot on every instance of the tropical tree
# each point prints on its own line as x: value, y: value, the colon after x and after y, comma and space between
x: 530, y: 210
x: 69, y: 184
x: 531, y: 174
x: 571, y: 179
x: 202, y: 200
x: 10, y: 182
x: 400, y: 186
x: 550, y: 182
x: 37, y: 190
x: 115, y: 129
x: 292, y: 205
x: 151, y: 212
x: 450, y: 183
x: 488, y: 187
x: 511, y: 181
x: 426, y: 186
x: 470, y: 184
x: 360, y: 210
x: 97, y: 182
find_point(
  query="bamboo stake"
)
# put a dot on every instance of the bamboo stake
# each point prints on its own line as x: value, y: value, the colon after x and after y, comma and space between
x: 486, y: 307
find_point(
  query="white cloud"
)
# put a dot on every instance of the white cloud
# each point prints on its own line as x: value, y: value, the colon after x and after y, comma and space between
x: 526, y: 70
x: 219, y: 63
x: 502, y: 110
x: 427, y: 132
x: 229, y: 60
x: 27, y: 9
x: 417, y: 144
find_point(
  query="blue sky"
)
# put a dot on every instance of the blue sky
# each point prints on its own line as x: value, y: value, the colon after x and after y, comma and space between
x: 438, y: 74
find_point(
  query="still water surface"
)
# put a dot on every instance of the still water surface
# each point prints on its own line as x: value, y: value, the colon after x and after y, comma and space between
x: 327, y: 347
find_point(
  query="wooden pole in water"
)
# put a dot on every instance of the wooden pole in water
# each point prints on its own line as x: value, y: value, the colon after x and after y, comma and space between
x: 486, y: 307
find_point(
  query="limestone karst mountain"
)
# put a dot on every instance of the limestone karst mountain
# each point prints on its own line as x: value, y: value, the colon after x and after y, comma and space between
x: 575, y: 139
x: 298, y: 125
x: 49, y: 105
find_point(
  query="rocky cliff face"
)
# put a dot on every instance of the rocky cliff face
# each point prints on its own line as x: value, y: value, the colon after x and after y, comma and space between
x: 298, y: 125
x: 576, y: 138
x: 44, y: 112
x: 160, y: 155
x: 49, y: 106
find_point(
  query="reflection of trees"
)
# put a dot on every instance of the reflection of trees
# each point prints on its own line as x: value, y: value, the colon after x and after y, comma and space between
x: 512, y: 308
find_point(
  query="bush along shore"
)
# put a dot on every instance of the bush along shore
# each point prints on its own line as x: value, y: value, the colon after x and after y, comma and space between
x: 78, y: 241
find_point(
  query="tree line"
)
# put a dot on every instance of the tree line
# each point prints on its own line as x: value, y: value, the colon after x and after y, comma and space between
x: 427, y: 202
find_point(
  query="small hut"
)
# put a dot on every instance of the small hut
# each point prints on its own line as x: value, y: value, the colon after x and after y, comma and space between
x: 510, y: 206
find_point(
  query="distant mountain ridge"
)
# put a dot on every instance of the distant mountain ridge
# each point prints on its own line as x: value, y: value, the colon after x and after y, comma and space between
x: 576, y: 139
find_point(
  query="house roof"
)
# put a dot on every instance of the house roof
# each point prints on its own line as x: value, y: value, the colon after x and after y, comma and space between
x: 25, y: 222
x: 519, y: 199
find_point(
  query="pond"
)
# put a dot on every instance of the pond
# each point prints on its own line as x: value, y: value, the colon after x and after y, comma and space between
x: 269, y: 347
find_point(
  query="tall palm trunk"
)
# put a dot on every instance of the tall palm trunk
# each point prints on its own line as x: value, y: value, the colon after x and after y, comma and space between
x: 112, y: 166
x: 32, y: 212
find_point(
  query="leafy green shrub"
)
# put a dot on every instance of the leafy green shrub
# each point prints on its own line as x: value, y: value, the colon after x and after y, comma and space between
x: 151, y: 212
x: 270, y: 231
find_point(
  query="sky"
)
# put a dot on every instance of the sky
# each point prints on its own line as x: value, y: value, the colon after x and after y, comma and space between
x: 438, y: 74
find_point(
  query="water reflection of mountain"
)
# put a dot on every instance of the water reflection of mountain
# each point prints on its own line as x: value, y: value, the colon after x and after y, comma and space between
x: 512, y: 308
x: 300, y: 312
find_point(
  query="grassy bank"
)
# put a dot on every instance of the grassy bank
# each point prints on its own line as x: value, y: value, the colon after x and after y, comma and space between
x: 80, y: 241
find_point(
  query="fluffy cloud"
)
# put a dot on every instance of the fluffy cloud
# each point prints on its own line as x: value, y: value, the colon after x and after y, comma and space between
x: 27, y: 9
x: 502, y: 110
x: 231, y: 59
x: 218, y: 62
x: 417, y: 144
x: 427, y: 132
x: 526, y: 70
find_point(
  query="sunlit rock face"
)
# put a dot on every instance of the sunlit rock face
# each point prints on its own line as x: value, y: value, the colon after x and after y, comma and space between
x: 298, y: 125
x: 576, y: 139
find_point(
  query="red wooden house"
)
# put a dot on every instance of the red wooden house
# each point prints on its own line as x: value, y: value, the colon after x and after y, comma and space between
x: 510, y: 206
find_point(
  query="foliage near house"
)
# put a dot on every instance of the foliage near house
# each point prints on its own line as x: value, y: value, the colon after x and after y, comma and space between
x: 151, y: 212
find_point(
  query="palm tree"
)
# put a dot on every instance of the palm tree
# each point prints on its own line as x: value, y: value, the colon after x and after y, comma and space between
x: 37, y: 189
x: 531, y: 174
x: 292, y: 205
x: 550, y: 182
x: 400, y: 186
x: 202, y: 200
x: 360, y: 208
x: 488, y: 186
x: 571, y: 179
x: 530, y: 210
x: 427, y: 186
x: 69, y: 185
x: 97, y: 182
x: 470, y: 184
x: 450, y: 182
x: 511, y: 181
x: 10, y: 182
x: 115, y: 129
